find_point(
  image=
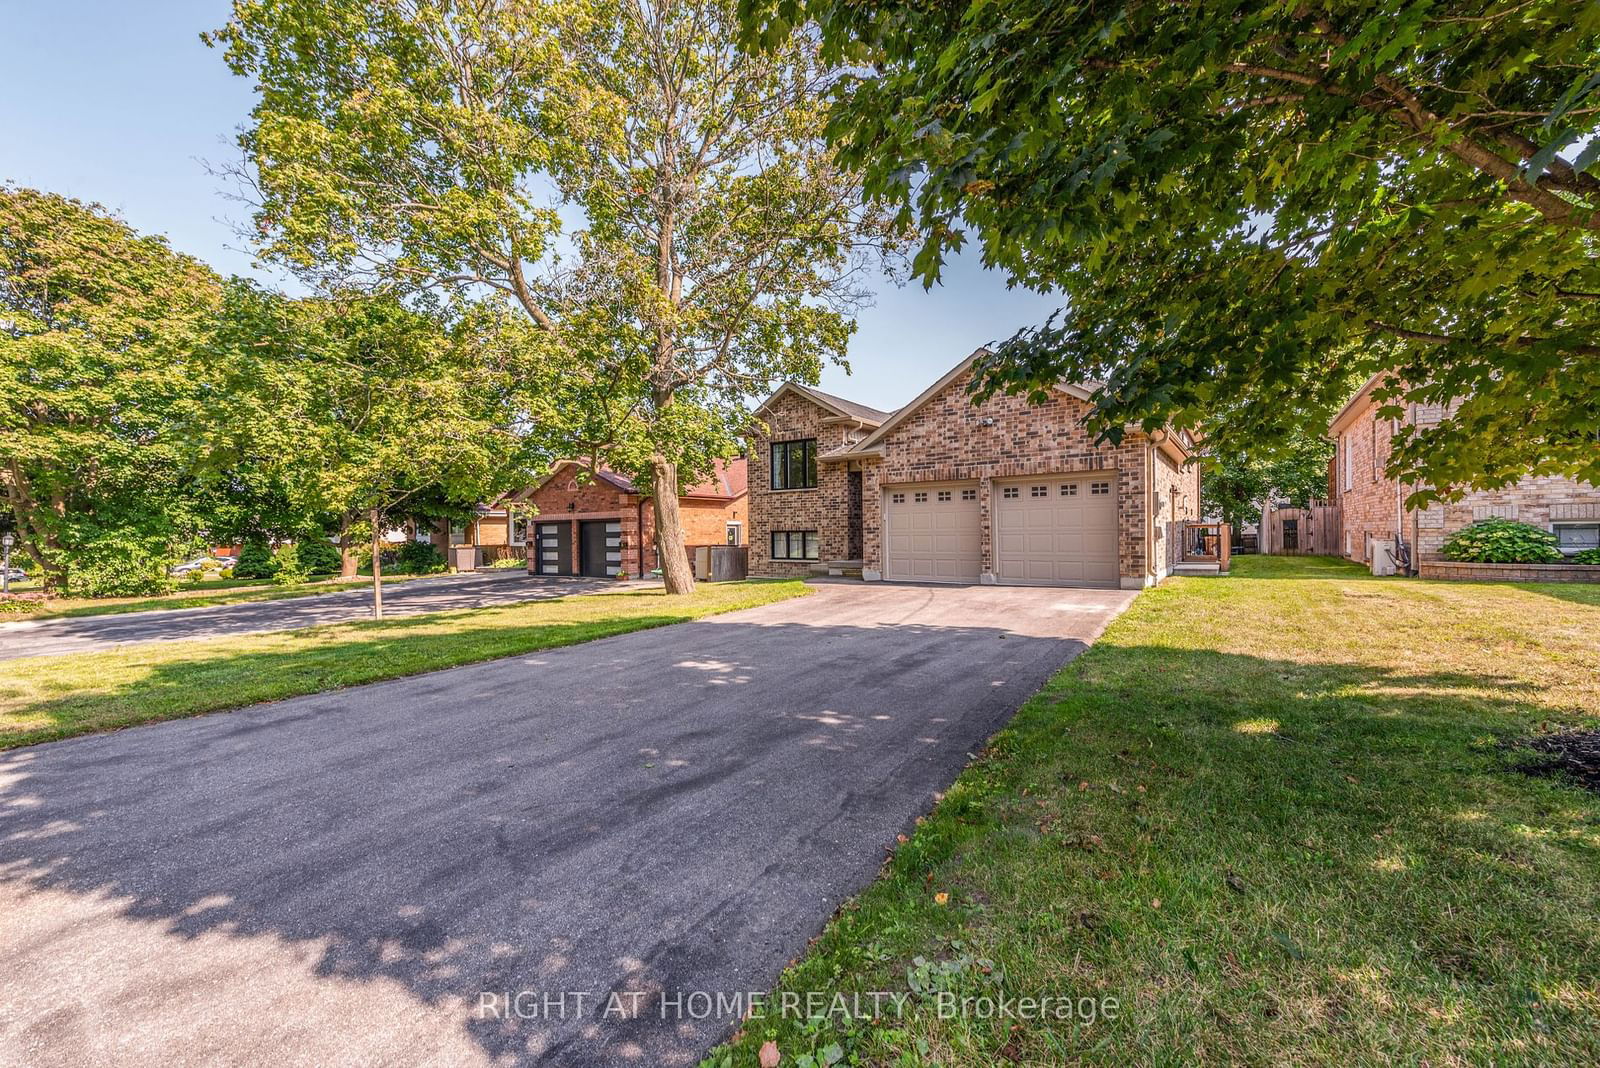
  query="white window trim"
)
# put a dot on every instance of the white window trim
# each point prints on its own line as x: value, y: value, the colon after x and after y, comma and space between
x: 1349, y: 467
x: 737, y: 526
x: 512, y: 536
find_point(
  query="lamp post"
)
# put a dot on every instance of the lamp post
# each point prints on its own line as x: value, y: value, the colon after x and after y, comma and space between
x: 6, y: 542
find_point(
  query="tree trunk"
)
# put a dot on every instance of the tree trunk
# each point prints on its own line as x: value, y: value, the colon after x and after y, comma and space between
x: 377, y: 565
x: 349, y: 560
x: 675, y: 569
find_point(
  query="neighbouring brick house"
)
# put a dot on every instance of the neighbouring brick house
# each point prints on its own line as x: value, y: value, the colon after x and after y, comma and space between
x: 943, y: 490
x: 578, y: 522
x: 1372, y: 506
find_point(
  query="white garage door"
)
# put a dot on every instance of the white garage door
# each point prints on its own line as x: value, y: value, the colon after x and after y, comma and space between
x: 930, y: 532
x: 1057, y: 530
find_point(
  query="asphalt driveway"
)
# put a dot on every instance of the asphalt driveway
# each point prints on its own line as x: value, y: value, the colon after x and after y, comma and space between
x: 414, y: 872
x: 444, y: 593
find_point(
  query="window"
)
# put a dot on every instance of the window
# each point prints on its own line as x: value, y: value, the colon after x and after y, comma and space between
x: 1011, y: 492
x: 1372, y: 443
x: 1099, y: 489
x: 458, y: 532
x: 969, y: 494
x: 1576, y: 537
x: 735, y: 532
x: 1069, y: 489
x: 920, y: 498
x: 519, y: 530
x: 794, y: 545
x: 1349, y: 468
x: 897, y: 498
x: 1038, y: 491
x: 794, y: 464
x: 944, y: 495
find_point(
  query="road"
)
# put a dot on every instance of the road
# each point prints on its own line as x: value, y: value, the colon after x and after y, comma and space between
x: 389, y: 874
x: 54, y: 637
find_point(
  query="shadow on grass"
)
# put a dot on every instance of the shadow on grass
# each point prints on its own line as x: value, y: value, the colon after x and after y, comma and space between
x: 1228, y: 843
x: 677, y: 810
x: 681, y: 811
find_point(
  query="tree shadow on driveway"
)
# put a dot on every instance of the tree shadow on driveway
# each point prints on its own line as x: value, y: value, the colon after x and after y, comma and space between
x: 374, y: 874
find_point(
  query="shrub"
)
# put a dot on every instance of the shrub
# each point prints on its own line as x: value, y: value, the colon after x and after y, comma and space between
x: 508, y: 562
x: 319, y: 556
x: 419, y: 558
x: 287, y: 567
x: 255, y: 561
x: 1502, y: 541
x: 225, y: 573
x: 115, y: 567
x: 1588, y: 556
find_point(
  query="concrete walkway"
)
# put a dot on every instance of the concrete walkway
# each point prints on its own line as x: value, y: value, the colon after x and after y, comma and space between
x: 385, y: 875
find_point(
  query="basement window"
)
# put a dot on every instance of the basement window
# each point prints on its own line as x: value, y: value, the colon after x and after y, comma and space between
x: 794, y: 545
x: 1574, y: 538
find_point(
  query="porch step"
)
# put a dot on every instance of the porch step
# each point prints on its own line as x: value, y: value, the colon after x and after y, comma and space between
x: 839, y: 568
x: 1197, y: 569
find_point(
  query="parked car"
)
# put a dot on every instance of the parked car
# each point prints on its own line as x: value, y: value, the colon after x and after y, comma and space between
x: 15, y: 574
x: 199, y: 563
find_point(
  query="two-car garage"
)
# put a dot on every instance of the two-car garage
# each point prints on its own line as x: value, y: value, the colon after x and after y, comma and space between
x: 1055, y: 530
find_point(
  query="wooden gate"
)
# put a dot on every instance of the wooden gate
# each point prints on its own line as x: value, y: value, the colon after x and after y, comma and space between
x: 1311, y: 531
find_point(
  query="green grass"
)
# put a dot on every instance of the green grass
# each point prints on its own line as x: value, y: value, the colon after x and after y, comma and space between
x: 201, y: 594
x: 1273, y: 817
x: 45, y: 698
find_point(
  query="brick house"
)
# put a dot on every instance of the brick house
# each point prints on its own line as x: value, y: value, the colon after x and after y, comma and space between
x: 943, y: 490
x: 578, y: 522
x: 1372, y: 506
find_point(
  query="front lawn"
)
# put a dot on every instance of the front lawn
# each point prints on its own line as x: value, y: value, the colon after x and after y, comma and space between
x: 202, y: 594
x: 44, y: 698
x: 1272, y: 818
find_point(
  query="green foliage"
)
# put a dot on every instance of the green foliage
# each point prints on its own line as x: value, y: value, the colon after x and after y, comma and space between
x: 1233, y: 487
x: 508, y: 563
x: 1502, y: 541
x: 419, y: 558
x: 255, y: 561
x: 118, y: 564
x: 99, y: 394
x: 717, y: 240
x: 318, y: 555
x: 1588, y: 556
x: 287, y: 567
x: 1251, y: 203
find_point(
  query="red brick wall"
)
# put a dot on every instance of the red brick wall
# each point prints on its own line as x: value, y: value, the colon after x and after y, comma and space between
x: 706, y: 522
x: 573, y: 497
x: 1370, y: 506
x: 950, y: 439
x: 822, y: 509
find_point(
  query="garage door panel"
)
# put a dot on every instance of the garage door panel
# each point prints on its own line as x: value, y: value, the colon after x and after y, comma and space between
x: 931, y: 533
x: 1057, y: 531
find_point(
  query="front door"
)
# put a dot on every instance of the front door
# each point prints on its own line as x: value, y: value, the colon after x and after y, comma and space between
x: 600, y: 548
x: 553, y: 546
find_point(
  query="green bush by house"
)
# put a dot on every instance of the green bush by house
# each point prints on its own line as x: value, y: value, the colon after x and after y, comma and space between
x: 1588, y: 556
x: 1502, y: 541
x: 419, y: 558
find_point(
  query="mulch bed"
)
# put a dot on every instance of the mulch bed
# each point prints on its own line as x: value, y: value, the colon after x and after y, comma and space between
x: 1573, y: 754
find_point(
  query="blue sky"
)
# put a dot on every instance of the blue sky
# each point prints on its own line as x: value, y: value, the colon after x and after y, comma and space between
x: 120, y: 103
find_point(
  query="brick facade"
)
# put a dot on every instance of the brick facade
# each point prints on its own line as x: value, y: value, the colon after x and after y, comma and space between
x: 822, y: 509
x: 946, y: 439
x: 1371, y: 505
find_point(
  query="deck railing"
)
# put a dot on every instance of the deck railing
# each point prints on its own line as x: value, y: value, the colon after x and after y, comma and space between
x: 1206, y: 543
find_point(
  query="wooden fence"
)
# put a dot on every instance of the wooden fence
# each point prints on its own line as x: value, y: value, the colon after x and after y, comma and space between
x: 1312, y: 531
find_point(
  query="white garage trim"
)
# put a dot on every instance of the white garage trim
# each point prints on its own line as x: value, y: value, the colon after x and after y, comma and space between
x: 932, y: 532
x: 1057, y: 530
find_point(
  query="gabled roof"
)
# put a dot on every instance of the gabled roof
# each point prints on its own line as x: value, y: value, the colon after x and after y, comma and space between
x: 838, y: 406
x: 729, y: 480
x: 1083, y: 391
x: 1353, y: 405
